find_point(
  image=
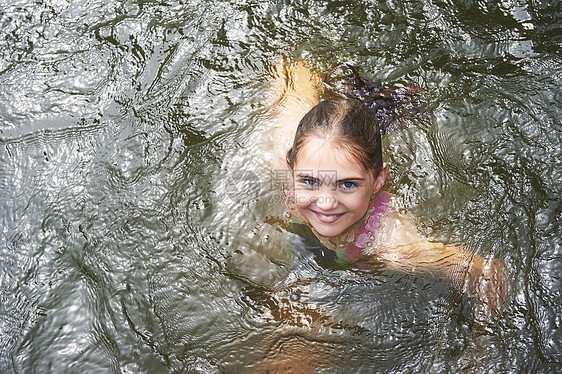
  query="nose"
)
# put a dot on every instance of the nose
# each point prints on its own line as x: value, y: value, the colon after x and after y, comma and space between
x: 326, y: 200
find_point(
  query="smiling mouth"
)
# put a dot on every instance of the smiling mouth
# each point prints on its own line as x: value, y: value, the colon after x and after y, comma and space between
x: 328, y: 218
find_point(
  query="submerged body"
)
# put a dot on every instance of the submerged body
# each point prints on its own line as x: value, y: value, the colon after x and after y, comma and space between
x: 343, y: 201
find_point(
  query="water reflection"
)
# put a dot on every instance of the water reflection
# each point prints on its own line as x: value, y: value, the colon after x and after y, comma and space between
x: 123, y: 248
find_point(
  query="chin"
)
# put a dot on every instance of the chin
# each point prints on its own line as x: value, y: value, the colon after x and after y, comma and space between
x: 328, y: 231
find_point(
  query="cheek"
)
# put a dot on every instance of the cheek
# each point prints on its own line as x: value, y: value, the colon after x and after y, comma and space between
x: 358, y: 203
x: 303, y: 198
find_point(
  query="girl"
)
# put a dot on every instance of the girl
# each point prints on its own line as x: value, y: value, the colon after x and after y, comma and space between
x: 332, y: 151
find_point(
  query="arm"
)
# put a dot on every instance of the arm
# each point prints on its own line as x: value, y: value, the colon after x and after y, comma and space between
x: 297, y: 89
x: 405, y: 250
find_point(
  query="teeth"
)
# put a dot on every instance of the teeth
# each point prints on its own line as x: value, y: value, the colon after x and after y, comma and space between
x: 330, y: 218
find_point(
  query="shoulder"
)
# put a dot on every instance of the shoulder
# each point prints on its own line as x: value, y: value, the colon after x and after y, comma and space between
x: 396, y: 227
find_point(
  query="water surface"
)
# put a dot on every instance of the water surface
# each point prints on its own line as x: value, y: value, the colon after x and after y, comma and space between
x: 134, y: 240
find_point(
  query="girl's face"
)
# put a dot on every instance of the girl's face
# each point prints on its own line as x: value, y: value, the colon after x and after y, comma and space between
x: 331, y: 191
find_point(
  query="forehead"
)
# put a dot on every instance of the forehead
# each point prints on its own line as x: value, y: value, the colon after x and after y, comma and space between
x: 322, y: 155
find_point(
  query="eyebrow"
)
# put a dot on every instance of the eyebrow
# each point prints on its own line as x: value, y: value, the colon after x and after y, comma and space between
x: 350, y: 179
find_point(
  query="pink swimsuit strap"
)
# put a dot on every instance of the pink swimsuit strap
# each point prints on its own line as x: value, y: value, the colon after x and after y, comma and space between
x: 366, y: 233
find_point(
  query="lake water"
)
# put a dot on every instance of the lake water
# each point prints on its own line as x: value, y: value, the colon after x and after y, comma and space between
x: 136, y: 231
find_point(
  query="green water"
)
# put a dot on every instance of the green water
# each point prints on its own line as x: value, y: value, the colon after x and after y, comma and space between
x: 128, y: 243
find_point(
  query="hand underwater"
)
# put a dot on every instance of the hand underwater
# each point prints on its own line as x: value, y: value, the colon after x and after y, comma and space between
x: 489, y: 283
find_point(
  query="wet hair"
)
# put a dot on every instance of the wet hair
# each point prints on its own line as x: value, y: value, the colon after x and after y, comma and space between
x: 348, y: 125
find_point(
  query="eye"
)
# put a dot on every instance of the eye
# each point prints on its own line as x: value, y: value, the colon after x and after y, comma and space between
x: 309, y: 182
x: 348, y: 185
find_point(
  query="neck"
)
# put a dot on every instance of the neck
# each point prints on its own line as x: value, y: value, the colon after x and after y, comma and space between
x: 340, y: 241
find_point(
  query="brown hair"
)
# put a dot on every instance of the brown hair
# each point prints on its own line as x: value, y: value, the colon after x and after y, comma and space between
x: 348, y: 125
